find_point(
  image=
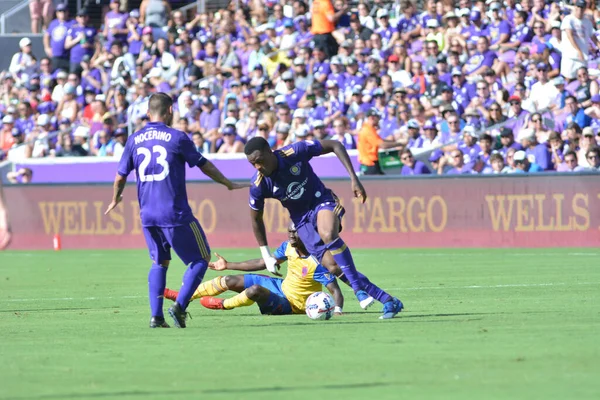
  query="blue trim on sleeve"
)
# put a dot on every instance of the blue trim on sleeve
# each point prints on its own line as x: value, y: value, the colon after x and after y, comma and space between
x: 322, y: 275
x: 280, y: 252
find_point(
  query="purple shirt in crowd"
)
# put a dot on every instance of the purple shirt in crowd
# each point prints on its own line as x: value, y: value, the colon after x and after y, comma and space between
x: 418, y: 169
x: 540, y: 155
x: 57, y: 31
x: 211, y: 120
x: 115, y: 20
x: 77, y: 51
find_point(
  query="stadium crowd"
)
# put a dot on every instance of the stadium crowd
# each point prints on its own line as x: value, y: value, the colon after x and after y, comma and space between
x: 484, y: 86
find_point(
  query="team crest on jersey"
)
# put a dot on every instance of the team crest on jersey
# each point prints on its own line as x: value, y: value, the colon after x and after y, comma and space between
x: 304, y: 271
x: 295, y: 170
x: 59, y: 33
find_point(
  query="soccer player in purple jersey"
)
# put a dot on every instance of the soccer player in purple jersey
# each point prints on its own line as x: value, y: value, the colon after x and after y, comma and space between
x: 158, y: 154
x: 287, y: 176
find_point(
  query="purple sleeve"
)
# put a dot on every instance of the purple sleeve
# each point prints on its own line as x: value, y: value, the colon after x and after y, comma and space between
x: 308, y: 149
x: 525, y: 35
x: 257, y: 199
x: 422, y: 169
x: 189, y: 153
x: 504, y: 28
x: 488, y: 59
x: 126, y: 162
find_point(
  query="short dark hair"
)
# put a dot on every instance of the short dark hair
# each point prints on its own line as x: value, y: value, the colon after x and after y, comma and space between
x: 406, y: 151
x: 570, y: 153
x: 256, y: 143
x: 159, y: 104
x: 486, y: 136
x: 496, y: 156
x: 593, y: 150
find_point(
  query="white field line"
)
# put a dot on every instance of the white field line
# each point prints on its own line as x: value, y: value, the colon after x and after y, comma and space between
x: 397, y: 289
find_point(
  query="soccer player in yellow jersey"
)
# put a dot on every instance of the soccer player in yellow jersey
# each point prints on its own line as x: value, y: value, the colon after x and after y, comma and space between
x: 274, y: 296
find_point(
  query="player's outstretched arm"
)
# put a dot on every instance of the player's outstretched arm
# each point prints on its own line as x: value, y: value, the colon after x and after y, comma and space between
x: 260, y: 233
x: 118, y: 188
x: 336, y: 292
x: 5, y: 233
x: 333, y: 146
x: 213, y: 173
x: 222, y: 264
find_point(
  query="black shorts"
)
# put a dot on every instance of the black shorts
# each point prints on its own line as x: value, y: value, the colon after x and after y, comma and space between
x: 328, y: 43
x: 374, y: 169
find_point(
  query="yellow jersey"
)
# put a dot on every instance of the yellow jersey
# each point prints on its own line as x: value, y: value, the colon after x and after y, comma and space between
x: 305, y: 276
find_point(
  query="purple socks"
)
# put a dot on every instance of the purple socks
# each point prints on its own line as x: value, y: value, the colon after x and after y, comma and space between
x: 356, y: 280
x: 342, y: 256
x: 191, y: 279
x: 157, y: 281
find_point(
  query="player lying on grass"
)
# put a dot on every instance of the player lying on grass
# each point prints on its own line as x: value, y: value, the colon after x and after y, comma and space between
x: 274, y: 296
x: 286, y: 175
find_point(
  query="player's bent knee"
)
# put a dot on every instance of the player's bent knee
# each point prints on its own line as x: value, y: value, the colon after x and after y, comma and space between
x: 328, y: 236
x: 165, y: 263
x: 254, y: 292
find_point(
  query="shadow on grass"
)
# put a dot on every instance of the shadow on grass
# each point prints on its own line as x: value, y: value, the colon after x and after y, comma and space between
x: 237, y: 390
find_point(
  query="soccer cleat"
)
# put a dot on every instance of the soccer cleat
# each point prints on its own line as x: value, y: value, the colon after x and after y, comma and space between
x: 391, y: 308
x: 158, y: 322
x: 170, y: 294
x: 178, y: 314
x: 364, y: 299
x: 213, y: 303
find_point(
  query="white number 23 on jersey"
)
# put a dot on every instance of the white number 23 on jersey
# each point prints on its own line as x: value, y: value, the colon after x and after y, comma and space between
x: 161, y: 159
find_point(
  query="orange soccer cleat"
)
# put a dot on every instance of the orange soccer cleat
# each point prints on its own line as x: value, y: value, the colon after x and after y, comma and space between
x: 212, y: 302
x: 170, y: 294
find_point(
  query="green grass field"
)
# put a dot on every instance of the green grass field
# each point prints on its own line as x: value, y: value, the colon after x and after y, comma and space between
x: 478, y: 324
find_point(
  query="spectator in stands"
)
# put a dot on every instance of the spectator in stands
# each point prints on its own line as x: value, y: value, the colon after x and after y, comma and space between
x: 21, y: 176
x: 19, y: 150
x: 517, y: 115
x: 556, y: 148
x: 497, y: 163
x: 575, y: 113
x: 154, y: 14
x: 570, y: 163
x: 120, y: 139
x: 369, y: 144
x: 80, y: 41
x: 523, y: 165
x: 411, y: 166
x: 587, y: 88
x: 485, y: 145
x: 577, y: 32
x: 23, y: 63
x: 588, y: 141
x: 536, y: 152
x: 593, y: 158
x: 55, y: 38
x: 41, y: 12
x: 457, y: 162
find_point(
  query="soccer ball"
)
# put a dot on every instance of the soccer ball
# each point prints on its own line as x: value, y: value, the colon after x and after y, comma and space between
x: 320, y: 305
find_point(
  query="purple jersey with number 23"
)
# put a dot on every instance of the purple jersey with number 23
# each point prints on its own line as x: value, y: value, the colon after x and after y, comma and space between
x: 158, y: 154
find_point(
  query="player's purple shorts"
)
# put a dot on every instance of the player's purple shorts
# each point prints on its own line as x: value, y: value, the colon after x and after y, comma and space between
x: 188, y: 241
x: 308, y: 230
x: 277, y: 304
